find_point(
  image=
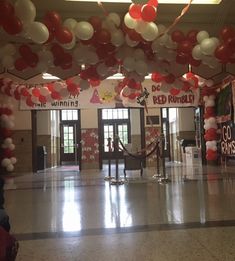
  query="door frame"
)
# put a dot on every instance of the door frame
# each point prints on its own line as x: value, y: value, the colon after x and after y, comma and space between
x: 77, y: 123
x: 167, y: 152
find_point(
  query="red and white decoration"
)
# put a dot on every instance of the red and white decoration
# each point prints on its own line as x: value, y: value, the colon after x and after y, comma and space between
x: 210, y: 126
x: 101, y: 47
x: 7, y: 146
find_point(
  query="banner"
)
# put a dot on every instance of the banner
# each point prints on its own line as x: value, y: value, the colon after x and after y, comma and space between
x: 104, y: 96
x: 228, y: 139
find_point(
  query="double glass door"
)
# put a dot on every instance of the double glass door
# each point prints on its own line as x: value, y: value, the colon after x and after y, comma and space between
x: 110, y: 131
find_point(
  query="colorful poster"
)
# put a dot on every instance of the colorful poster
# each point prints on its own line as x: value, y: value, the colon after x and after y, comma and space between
x: 104, y: 96
x: 227, y: 139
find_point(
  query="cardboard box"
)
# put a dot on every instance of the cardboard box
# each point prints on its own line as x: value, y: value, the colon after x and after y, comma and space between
x: 192, y: 155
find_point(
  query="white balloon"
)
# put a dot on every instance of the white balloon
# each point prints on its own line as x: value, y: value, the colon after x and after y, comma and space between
x: 84, y: 30
x: 202, y: 35
x: 151, y: 32
x: 70, y: 23
x: 161, y: 28
x: 5, y: 162
x: 11, y: 146
x: 8, y: 62
x: 58, y: 86
x: 46, y: 56
x: 25, y: 10
x: 197, y: 53
x: 163, y: 39
x: 117, y: 38
x: 38, y: 32
x: 9, y: 49
x: 129, y: 64
x: 140, y: 26
x: 115, y: 18
x: 139, y: 54
x: 10, y: 167
x: 102, y: 69
x: 8, y: 141
x: 129, y: 21
x: 42, y: 67
x: 92, y: 57
x: 210, y: 103
x: 44, y: 91
x: 141, y: 68
x: 64, y: 92
x: 208, y: 46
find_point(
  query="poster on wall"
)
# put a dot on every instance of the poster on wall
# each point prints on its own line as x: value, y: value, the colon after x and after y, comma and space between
x: 105, y: 96
x: 224, y: 104
x: 227, y: 139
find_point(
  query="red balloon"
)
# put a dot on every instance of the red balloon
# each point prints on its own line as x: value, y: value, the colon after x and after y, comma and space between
x: 227, y: 32
x: 177, y: 36
x: 72, y: 87
x: 182, y: 59
x: 174, y: 91
x: 96, y: 22
x: 7, y: 153
x: 134, y: 36
x: 57, y: 50
x: 32, y: 60
x: 50, y: 87
x: 36, y: 92
x: 103, y: 36
x: 192, y: 36
x: 53, y: 20
x: 25, y: 92
x: 157, y: 77
x: 94, y: 83
x: 185, y: 47
x: 132, y: 84
x: 231, y: 43
x: 223, y: 53
x: 42, y: 99
x: 194, y: 62
x: 153, y: 2
x: 29, y: 102
x: 6, y: 10
x: 20, y: 64
x: 111, y: 61
x: 17, y: 95
x: 5, y: 133
x: 13, y: 25
x: 186, y: 86
x: 148, y: 13
x: 63, y: 35
x: 170, y: 78
x: 24, y: 50
x: 55, y: 95
x: 135, y: 11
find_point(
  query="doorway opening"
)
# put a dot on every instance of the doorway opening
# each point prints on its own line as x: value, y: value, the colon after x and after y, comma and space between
x: 70, y: 138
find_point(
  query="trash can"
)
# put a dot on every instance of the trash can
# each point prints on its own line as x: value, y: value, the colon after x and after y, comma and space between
x: 41, y: 157
x: 186, y: 143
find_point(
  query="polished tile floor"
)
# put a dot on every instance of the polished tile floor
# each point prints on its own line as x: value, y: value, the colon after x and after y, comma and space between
x: 63, y: 214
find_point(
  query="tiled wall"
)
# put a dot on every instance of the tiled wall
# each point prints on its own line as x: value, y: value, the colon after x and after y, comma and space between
x: 90, y: 149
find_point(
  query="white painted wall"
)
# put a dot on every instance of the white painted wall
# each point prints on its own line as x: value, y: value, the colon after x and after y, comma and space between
x: 89, y: 118
x: 186, y: 119
x: 135, y: 121
x: 43, y: 123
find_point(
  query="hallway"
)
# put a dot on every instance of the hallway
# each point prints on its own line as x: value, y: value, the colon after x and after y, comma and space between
x: 71, y: 215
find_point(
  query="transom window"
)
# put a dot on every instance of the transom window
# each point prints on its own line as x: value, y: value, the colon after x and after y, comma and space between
x: 69, y: 115
x: 113, y: 114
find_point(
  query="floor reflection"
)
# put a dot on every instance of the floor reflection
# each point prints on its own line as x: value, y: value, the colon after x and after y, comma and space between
x: 71, y: 220
x: 116, y: 212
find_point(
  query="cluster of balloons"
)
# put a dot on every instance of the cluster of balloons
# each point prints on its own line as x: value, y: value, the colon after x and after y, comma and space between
x: 7, y: 147
x: 210, y: 126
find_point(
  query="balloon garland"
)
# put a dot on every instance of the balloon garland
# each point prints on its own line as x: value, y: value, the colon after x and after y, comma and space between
x: 210, y: 126
x: 8, y: 159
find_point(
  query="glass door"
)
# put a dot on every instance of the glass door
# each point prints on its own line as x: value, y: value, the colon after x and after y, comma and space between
x: 70, y: 136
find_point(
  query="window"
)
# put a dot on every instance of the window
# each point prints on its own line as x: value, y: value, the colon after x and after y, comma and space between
x: 114, y: 114
x: 69, y: 115
x: 68, y: 139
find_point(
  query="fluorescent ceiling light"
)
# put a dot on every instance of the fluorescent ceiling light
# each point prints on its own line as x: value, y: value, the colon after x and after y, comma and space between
x: 119, y: 76
x: 159, y: 1
x: 48, y: 76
